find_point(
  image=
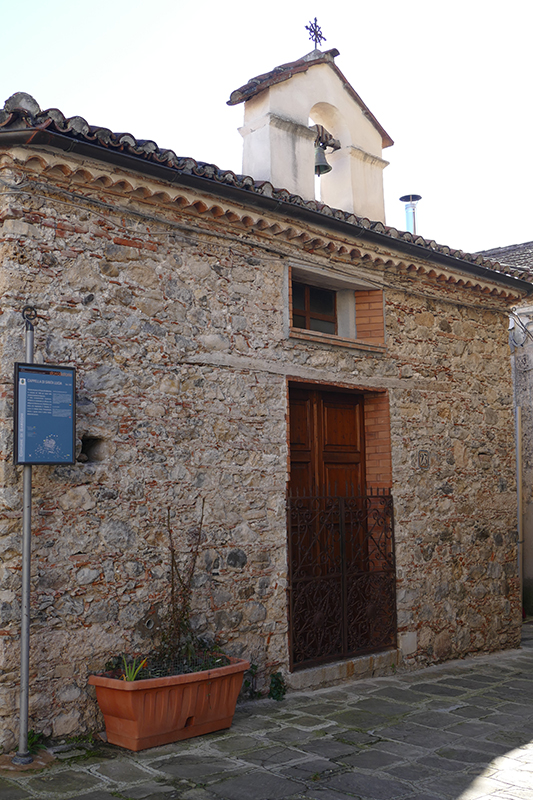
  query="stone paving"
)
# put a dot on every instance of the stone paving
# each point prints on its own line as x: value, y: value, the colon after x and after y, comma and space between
x: 459, y: 731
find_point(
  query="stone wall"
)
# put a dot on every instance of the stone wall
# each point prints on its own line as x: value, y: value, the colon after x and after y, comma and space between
x: 456, y: 521
x: 177, y: 327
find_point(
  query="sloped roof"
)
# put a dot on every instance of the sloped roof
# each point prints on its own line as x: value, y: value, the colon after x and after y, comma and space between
x: 286, y: 71
x: 517, y: 256
x: 23, y: 123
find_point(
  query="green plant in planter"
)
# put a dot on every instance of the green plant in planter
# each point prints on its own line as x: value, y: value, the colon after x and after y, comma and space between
x: 177, y: 636
x: 158, y: 700
x: 131, y: 669
x: 180, y: 650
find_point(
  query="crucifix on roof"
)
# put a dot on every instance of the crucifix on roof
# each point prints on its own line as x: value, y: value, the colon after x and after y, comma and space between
x: 315, y: 33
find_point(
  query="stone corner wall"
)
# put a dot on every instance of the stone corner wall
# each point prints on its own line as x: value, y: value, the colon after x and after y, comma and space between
x: 455, y: 510
x: 161, y: 430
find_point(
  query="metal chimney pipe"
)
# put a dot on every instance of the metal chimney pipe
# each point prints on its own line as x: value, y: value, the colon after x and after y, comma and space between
x: 410, y: 201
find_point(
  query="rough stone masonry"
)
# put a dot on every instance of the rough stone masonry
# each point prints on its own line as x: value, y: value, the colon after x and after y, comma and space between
x: 172, y: 305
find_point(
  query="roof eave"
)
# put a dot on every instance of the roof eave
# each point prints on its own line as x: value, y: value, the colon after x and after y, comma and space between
x: 39, y: 137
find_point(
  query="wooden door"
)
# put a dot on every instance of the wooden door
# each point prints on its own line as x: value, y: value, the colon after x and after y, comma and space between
x: 326, y: 488
x: 327, y: 445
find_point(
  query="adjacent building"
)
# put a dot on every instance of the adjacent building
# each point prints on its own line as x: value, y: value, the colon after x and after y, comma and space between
x: 519, y: 257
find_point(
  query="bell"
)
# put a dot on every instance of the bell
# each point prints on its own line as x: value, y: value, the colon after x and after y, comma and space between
x: 321, y: 165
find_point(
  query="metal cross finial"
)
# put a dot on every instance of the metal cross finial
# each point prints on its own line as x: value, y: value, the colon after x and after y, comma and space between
x: 315, y: 33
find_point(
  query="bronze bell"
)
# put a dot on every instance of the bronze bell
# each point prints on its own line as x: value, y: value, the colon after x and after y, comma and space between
x: 321, y: 165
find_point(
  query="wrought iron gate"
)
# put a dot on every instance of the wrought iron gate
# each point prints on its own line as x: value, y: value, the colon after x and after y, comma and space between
x: 342, y: 582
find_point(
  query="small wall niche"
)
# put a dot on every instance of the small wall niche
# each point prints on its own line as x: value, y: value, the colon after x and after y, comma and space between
x: 93, y: 448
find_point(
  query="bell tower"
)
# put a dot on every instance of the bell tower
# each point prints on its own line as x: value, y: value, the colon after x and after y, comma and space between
x: 282, y: 110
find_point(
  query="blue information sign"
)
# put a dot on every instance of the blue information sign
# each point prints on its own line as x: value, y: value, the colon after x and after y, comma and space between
x: 45, y: 414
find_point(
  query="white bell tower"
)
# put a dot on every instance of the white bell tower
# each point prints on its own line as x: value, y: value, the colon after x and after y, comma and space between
x: 280, y: 108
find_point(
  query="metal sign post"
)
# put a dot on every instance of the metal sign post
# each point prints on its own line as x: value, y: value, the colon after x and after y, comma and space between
x: 23, y: 756
x: 44, y: 433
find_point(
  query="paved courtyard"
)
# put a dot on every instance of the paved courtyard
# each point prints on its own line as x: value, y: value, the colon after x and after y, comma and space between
x: 460, y: 731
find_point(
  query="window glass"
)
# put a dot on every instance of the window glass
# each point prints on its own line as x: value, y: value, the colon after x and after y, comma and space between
x: 321, y: 301
x: 314, y: 308
x: 322, y: 325
x: 298, y: 297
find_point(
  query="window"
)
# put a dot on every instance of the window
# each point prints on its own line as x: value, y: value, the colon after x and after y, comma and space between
x: 314, y: 308
x: 334, y: 309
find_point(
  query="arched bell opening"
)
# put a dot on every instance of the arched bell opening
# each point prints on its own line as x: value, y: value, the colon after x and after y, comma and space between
x: 326, y: 120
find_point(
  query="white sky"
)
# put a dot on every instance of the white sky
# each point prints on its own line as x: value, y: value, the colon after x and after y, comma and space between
x: 451, y: 82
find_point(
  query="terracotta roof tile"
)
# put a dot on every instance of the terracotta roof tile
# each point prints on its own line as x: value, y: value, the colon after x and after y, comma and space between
x: 21, y: 112
x: 280, y: 74
x: 286, y: 71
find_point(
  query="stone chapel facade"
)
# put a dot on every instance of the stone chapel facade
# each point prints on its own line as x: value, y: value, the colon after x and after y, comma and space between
x: 233, y: 338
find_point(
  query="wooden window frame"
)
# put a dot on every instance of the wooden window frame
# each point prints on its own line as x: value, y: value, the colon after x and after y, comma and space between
x: 313, y: 315
x: 359, y: 310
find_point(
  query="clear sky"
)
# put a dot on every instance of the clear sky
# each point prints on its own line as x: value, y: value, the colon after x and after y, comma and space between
x: 451, y: 82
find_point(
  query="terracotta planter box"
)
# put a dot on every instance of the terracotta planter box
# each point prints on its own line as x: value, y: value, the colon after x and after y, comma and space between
x: 148, y: 713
